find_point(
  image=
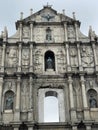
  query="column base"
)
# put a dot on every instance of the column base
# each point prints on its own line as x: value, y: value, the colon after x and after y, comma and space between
x: 86, y: 114
x: 68, y: 68
x: 73, y: 115
x: 80, y: 68
x: 17, y: 116
x: 30, y: 115
x: 96, y: 68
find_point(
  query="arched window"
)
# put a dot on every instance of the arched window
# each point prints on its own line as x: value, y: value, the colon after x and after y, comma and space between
x: 48, y: 34
x: 49, y: 60
x: 23, y: 127
x: 92, y: 98
x: 51, y: 112
x: 9, y: 100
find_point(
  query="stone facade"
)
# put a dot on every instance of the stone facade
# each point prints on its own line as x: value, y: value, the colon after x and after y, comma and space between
x: 48, y: 56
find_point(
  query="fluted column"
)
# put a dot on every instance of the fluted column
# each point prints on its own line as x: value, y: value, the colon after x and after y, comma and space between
x: 3, y: 57
x: 30, y: 113
x: 1, y: 87
x: 71, y: 98
x: 17, y: 105
x: 76, y: 32
x: 20, y: 31
x: 65, y: 32
x: 19, y: 59
x: 79, y: 57
x: 67, y: 56
x: 84, y: 98
x: 31, y: 32
x: 31, y: 58
x: 95, y: 56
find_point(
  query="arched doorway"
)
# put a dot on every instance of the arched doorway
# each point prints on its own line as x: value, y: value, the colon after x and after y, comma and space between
x: 49, y: 61
x: 51, y: 108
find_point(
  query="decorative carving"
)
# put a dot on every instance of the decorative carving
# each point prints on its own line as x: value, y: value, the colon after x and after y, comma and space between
x: 12, y: 57
x: 25, y: 32
x: 25, y: 57
x: 47, y: 17
x: 71, y: 31
x: 73, y: 54
x: 38, y: 61
x: 61, y: 60
x: 87, y: 56
x: 25, y: 95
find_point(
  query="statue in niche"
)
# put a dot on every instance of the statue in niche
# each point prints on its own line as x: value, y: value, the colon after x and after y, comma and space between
x: 87, y: 56
x: 49, y: 63
x: 25, y: 57
x: 48, y: 34
x: 93, y: 102
x: 12, y: 58
x: 73, y: 54
x: 9, y: 102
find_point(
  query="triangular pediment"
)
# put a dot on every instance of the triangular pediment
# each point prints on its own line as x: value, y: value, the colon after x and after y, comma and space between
x: 47, y: 14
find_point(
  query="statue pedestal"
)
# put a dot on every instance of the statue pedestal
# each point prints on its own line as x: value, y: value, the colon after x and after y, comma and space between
x: 49, y: 70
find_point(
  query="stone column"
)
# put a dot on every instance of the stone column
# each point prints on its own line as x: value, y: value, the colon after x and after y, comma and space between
x: 3, y: 57
x: 30, y: 113
x: 84, y: 98
x: 31, y: 32
x: 71, y: 98
x: 1, y: 87
x: 74, y: 128
x: 30, y: 127
x: 20, y: 31
x: 88, y: 128
x: 31, y: 57
x: 17, y: 105
x: 19, y: 59
x: 76, y: 31
x: 65, y: 32
x: 95, y: 56
x: 79, y: 57
x: 67, y: 56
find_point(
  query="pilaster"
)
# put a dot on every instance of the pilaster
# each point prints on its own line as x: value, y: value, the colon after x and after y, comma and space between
x: 31, y: 57
x: 71, y: 98
x: 79, y: 57
x: 65, y: 32
x: 95, y: 56
x: 17, y: 105
x: 19, y: 59
x: 3, y: 57
x: 1, y: 87
x: 67, y: 56
x: 84, y: 98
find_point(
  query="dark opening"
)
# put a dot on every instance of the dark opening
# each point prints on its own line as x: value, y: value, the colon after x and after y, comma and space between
x: 49, y: 60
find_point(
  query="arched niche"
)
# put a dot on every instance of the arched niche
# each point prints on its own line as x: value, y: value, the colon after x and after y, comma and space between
x: 92, y: 98
x: 52, y: 95
x: 9, y: 100
x: 49, y: 61
x: 51, y: 108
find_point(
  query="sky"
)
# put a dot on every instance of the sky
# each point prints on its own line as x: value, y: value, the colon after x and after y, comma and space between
x: 86, y: 12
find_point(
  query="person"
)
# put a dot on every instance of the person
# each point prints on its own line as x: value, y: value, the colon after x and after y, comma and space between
x: 49, y: 63
x: 93, y: 103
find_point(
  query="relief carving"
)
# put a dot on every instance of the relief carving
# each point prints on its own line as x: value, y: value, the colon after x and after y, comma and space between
x: 25, y: 57
x: 73, y: 54
x: 25, y: 32
x: 12, y: 57
x: 87, y: 56
x: 25, y: 95
x: 61, y: 63
x: 71, y: 32
x: 38, y: 61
